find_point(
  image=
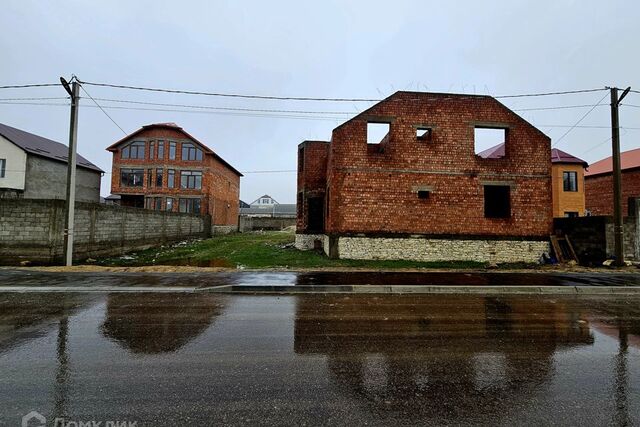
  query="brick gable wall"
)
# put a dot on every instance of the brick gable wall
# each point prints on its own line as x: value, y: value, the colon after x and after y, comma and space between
x: 374, y: 191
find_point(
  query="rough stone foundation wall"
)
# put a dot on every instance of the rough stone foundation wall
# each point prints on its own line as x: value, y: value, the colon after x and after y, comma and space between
x: 424, y: 249
x: 305, y: 242
x: 32, y: 229
x: 224, y: 229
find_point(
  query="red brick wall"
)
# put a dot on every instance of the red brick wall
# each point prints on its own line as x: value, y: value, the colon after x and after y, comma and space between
x: 312, y: 176
x: 373, y: 192
x: 599, y: 192
x: 220, y: 185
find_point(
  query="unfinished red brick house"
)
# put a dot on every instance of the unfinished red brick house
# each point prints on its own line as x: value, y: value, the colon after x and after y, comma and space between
x: 160, y: 166
x: 423, y: 192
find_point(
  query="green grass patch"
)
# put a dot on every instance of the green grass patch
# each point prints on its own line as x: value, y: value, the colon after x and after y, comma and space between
x: 260, y: 250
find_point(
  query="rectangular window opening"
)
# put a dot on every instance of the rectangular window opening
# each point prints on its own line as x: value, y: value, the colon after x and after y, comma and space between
x: 131, y: 177
x: 423, y: 134
x: 377, y: 132
x: 191, y: 179
x: 171, y: 178
x: 169, y: 203
x: 423, y: 194
x: 161, y: 150
x: 571, y: 214
x: 497, y: 201
x: 570, y: 181
x: 191, y: 152
x: 159, y: 178
x: 487, y: 142
x: 172, y: 150
x: 135, y: 150
x: 3, y: 167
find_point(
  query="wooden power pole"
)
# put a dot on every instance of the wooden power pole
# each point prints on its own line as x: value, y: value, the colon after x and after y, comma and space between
x: 74, y: 92
x: 618, y: 232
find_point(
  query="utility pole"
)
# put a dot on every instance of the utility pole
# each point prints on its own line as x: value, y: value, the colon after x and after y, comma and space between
x: 74, y: 92
x: 618, y: 232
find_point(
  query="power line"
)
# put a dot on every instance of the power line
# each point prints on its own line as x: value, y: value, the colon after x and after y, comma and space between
x: 578, y: 122
x: 297, y: 98
x: 229, y: 95
x: 209, y: 107
x: 102, y: 109
x: 561, y: 107
x: 29, y: 85
x: 566, y: 92
x: 35, y: 99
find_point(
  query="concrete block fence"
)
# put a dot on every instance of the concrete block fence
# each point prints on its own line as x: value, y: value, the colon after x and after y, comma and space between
x: 33, y: 229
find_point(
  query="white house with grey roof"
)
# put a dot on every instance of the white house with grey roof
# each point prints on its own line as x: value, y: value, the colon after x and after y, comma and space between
x: 34, y: 167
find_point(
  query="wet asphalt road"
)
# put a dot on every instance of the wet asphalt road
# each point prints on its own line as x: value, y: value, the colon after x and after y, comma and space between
x: 10, y: 277
x: 212, y: 359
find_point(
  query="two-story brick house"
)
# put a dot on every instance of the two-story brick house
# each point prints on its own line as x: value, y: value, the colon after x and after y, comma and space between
x: 160, y: 166
x: 422, y: 192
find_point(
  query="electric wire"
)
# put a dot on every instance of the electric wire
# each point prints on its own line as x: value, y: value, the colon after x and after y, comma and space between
x: 102, y: 109
x: 578, y: 122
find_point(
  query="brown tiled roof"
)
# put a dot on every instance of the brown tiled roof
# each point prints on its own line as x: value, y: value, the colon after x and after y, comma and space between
x: 41, y: 146
x: 628, y: 160
x: 557, y: 156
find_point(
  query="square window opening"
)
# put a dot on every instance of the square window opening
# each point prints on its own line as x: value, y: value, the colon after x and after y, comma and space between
x: 423, y: 134
x: 423, y: 194
x: 497, y: 201
x: 377, y: 132
x: 486, y: 138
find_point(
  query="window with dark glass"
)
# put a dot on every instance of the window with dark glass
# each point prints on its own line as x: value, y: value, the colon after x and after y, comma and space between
x: 3, y: 167
x: 149, y: 178
x: 169, y: 205
x: 570, y: 181
x: 135, y: 150
x: 571, y: 214
x: 191, y: 152
x: 152, y: 149
x: 131, y: 177
x: 497, y: 201
x: 161, y: 150
x: 171, y: 178
x: 191, y: 179
x: 159, y: 177
x: 148, y: 203
x: 190, y: 205
x: 158, y: 203
x: 172, y: 150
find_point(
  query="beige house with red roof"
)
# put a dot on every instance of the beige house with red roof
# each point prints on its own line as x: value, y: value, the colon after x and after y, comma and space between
x: 567, y: 180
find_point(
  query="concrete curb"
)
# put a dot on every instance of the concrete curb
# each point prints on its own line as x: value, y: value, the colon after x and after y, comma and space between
x: 375, y: 289
x: 96, y: 289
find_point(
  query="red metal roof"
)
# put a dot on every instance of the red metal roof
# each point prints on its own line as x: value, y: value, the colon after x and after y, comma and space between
x: 557, y: 156
x: 628, y: 160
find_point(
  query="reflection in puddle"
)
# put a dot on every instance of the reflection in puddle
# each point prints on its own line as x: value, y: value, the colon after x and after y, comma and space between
x: 158, y: 323
x: 332, y: 359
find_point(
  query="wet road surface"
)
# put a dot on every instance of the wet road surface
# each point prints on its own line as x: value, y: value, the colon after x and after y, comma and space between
x: 303, y: 279
x: 204, y: 359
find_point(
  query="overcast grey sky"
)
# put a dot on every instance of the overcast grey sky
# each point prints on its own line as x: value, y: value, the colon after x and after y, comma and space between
x: 364, y: 49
